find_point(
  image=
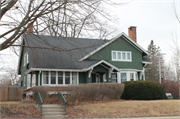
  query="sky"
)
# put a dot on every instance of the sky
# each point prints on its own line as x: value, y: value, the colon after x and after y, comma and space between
x: 154, y: 19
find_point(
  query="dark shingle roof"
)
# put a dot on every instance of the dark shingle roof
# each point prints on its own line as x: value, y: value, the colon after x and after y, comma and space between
x: 58, y: 52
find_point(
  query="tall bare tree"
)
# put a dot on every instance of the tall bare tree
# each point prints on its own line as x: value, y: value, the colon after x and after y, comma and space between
x: 66, y: 18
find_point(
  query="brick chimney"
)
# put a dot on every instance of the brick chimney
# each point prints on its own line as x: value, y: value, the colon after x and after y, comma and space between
x: 132, y: 32
x: 30, y: 28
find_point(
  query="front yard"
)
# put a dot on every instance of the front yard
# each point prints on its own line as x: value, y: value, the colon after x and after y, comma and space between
x: 125, y: 108
x: 18, y: 110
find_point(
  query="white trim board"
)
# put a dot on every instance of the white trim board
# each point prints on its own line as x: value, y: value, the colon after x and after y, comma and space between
x: 115, y: 38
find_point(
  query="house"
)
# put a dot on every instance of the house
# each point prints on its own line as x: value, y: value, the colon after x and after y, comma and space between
x: 58, y: 61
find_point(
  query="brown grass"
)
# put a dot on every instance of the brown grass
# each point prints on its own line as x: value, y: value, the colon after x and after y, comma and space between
x: 126, y: 109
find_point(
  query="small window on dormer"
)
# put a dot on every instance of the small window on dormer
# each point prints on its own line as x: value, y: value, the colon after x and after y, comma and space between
x: 25, y: 59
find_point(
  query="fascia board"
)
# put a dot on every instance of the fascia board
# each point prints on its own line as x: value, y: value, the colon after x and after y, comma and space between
x: 102, y: 61
x: 46, y: 69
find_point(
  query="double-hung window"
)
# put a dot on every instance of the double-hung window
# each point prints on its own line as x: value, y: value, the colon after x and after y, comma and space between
x: 60, y: 77
x: 67, y: 77
x: 123, y: 77
x: 45, y: 77
x: 74, y: 77
x: 114, y: 77
x: 53, y: 77
x: 121, y: 56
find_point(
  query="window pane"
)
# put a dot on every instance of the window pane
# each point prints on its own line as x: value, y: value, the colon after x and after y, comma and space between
x: 74, y: 74
x: 114, y: 78
x: 60, y: 73
x: 74, y: 80
x: 123, y: 77
x: 114, y: 55
x: 131, y: 76
x: 67, y: 73
x: 119, y: 55
x: 53, y: 77
x: 123, y: 55
x: 67, y: 80
x: 128, y: 56
x: 46, y: 77
x: 60, y: 80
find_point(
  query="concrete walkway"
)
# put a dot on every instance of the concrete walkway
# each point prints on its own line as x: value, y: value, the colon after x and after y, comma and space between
x: 168, y: 117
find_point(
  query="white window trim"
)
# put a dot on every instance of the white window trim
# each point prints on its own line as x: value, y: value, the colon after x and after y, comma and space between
x: 127, y: 75
x: 49, y: 78
x: 126, y: 60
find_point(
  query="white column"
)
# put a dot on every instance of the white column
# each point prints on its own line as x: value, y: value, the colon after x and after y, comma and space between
x: 56, y: 77
x: 63, y: 78
x: 118, y: 77
x: 49, y: 77
x: 70, y: 77
x: 77, y: 77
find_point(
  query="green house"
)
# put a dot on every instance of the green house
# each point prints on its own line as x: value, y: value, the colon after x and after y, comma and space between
x: 59, y: 61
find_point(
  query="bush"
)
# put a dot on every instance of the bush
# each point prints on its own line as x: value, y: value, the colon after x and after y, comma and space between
x: 143, y: 90
x: 171, y: 87
x: 95, y: 91
x: 43, y: 90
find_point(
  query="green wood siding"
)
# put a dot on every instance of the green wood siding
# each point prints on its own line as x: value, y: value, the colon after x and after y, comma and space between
x: 120, y: 45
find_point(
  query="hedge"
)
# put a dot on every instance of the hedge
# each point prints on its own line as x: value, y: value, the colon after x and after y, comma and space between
x: 94, y: 91
x: 143, y: 90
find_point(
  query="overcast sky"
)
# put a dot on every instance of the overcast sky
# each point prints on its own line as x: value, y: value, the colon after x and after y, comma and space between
x: 154, y: 20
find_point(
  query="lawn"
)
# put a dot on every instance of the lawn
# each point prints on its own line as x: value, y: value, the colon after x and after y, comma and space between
x: 125, y: 108
x: 17, y: 109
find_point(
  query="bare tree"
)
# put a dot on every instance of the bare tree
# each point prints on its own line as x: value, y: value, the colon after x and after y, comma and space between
x: 66, y: 18
x: 10, y: 77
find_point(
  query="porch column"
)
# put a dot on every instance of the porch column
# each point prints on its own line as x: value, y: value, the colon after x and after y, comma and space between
x: 109, y: 75
x: 89, y: 78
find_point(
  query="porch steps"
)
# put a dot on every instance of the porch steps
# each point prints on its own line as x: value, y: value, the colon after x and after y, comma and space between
x: 50, y: 111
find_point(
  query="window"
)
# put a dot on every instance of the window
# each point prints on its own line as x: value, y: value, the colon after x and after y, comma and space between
x: 46, y: 77
x: 27, y: 60
x: 67, y: 77
x: 74, y: 77
x: 53, y: 77
x: 123, y: 77
x: 114, y: 55
x: 131, y: 76
x: 114, y: 78
x: 60, y: 77
x: 121, y: 56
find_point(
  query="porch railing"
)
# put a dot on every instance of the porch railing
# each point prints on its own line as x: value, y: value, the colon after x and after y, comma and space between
x: 39, y: 101
x: 62, y: 100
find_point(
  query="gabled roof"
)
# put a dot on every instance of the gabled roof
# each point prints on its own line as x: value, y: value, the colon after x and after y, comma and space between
x: 115, y: 38
x: 58, y: 52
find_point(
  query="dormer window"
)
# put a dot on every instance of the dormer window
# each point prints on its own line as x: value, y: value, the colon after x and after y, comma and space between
x: 121, y: 56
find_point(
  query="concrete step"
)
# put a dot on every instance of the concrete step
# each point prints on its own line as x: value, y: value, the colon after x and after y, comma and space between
x: 55, y: 116
x: 53, y: 113
x: 52, y: 110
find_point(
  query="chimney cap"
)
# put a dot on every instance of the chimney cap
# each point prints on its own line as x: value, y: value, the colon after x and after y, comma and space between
x: 132, y: 26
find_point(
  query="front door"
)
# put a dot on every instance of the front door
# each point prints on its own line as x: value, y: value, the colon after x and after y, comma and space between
x: 95, y: 78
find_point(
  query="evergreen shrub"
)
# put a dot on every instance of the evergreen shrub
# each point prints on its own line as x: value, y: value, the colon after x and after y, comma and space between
x: 143, y: 90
